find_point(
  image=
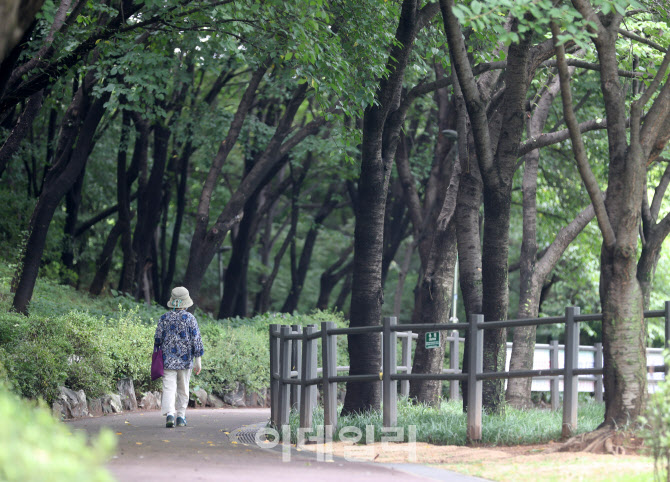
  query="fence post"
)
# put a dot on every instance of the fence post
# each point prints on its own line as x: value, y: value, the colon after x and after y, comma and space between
x: 570, y: 382
x: 284, y: 374
x: 274, y: 373
x: 475, y: 359
x: 296, y: 364
x: 555, y: 380
x: 453, y: 364
x: 308, y: 372
x: 406, y: 355
x: 598, y: 388
x: 329, y: 364
x: 389, y: 367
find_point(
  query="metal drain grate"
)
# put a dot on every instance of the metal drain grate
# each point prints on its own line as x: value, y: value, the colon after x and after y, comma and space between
x: 247, y: 435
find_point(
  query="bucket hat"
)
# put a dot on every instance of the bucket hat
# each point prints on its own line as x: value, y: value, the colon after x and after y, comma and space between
x: 180, y: 298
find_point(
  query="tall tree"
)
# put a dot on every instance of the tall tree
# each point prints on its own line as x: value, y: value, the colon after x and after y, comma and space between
x: 376, y: 162
x: 619, y: 215
x: 80, y: 123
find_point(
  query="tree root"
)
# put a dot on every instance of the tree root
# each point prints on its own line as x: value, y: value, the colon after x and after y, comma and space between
x: 605, y: 440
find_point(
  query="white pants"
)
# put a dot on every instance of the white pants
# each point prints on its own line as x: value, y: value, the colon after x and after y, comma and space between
x: 175, y: 383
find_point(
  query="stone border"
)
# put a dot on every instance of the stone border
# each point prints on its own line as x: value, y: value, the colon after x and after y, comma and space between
x: 71, y: 404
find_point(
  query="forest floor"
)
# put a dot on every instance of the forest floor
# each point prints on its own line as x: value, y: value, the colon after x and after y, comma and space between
x: 536, y: 462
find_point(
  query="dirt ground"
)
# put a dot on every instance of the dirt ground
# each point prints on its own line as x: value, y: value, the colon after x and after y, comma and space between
x: 537, y: 462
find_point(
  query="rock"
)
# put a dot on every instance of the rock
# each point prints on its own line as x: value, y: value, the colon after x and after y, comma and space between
x: 111, y: 403
x: 159, y: 398
x: 95, y: 407
x: 235, y: 398
x: 149, y: 402
x: 262, y: 397
x: 71, y: 404
x: 214, y: 401
x: 127, y: 393
x: 58, y: 410
x: 200, y: 397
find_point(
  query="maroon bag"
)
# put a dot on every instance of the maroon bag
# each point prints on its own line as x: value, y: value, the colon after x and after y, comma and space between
x: 157, y: 364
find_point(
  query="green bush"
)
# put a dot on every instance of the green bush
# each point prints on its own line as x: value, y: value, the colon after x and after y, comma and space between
x: 234, y: 355
x: 128, y: 344
x: 34, y: 446
x: 656, y: 425
x: 88, y: 343
x: 78, y: 350
x: 46, y: 353
x: 237, y: 350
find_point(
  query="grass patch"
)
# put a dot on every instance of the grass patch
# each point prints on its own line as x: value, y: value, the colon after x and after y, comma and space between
x: 447, y: 424
x: 560, y: 467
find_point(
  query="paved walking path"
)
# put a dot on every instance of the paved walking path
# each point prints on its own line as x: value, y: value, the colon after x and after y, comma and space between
x: 212, y: 448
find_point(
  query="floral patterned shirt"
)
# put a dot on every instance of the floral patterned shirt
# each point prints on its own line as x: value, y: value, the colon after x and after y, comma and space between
x: 178, y: 335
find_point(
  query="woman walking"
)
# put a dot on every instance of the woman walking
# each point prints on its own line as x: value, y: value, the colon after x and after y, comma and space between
x: 178, y: 336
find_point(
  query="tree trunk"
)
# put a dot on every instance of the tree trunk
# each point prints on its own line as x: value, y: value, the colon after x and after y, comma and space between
x: 395, y: 227
x: 332, y: 276
x: 298, y: 280
x: 234, y: 299
x: 523, y: 348
x: 105, y: 260
x: 72, y: 206
x: 125, y: 179
x: 624, y: 332
x: 653, y: 235
x: 206, y: 241
x: 60, y: 179
x: 435, y: 294
x: 376, y: 162
x: 25, y: 122
x: 149, y: 202
x: 182, y: 174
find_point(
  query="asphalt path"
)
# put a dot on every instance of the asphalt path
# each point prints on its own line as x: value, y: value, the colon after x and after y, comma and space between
x: 214, y: 446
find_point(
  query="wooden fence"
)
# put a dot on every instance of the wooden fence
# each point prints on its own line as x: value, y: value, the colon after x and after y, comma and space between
x: 297, y: 382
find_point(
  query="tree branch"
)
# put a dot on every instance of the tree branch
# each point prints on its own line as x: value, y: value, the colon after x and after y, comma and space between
x: 591, y: 66
x: 589, y: 179
x: 642, y: 40
x: 550, y: 138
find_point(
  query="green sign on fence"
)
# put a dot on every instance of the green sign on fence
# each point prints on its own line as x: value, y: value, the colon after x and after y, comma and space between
x: 433, y: 339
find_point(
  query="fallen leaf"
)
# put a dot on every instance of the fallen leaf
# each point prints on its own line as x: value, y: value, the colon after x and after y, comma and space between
x: 233, y: 442
x: 166, y: 441
x: 119, y: 433
x: 138, y: 443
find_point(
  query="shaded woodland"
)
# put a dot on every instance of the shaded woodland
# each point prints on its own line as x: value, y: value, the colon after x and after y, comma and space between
x: 342, y: 155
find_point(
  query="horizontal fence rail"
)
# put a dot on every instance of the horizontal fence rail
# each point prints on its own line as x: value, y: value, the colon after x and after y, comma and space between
x: 294, y: 370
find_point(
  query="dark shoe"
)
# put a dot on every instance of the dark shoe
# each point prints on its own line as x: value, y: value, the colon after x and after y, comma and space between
x: 181, y: 422
x: 169, y: 421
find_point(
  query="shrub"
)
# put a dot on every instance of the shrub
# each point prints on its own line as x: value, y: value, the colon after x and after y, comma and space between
x: 234, y: 355
x: 237, y: 350
x: 656, y: 425
x: 78, y: 350
x: 35, y: 446
x: 128, y: 344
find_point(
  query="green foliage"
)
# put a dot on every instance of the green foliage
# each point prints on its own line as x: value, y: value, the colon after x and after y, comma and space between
x: 237, y: 351
x: 76, y: 350
x: 35, y: 446
x: 234, y: 355
x: 128, y: 344
x: 656, y: 425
